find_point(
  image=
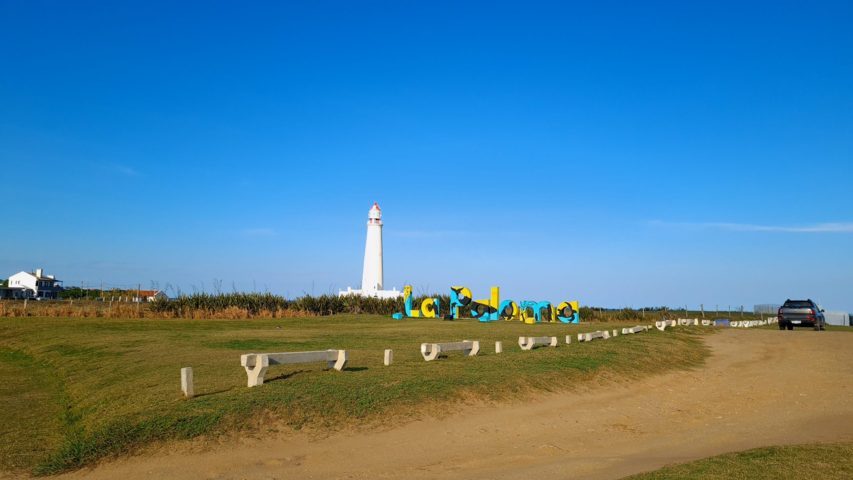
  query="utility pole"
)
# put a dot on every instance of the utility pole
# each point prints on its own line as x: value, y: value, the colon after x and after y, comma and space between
x: 702, y: 307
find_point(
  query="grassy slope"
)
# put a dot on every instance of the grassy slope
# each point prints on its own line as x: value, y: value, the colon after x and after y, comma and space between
x: 830, y: 461
x: 107, y: 386
x: 32, y: 413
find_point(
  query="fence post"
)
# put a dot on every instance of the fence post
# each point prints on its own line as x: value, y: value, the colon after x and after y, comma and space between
x: 187, y: 382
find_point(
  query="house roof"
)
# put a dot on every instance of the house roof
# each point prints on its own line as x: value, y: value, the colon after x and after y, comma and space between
x: 43, y: 277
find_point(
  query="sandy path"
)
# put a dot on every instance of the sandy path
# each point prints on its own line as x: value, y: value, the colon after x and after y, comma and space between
x: 760, y: 387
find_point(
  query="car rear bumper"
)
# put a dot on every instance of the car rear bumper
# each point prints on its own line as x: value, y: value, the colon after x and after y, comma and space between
x: 799, y: 323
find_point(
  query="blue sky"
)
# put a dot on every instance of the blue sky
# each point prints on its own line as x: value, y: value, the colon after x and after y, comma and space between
x: 621, y: 154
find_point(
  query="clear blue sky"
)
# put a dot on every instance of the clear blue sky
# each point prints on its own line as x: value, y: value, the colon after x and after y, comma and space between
x: 621, y: 154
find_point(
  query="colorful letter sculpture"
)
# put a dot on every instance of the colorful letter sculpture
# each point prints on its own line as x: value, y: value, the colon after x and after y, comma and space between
x: 430, y: 307
x: 487, y: 310
x: 509, y: 310
x: 536, y: 312
x: 568, y: 312
x: 459, y: 297
x: 493, y: 309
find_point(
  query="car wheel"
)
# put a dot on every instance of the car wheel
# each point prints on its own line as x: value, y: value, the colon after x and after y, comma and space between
x: 790, y: 327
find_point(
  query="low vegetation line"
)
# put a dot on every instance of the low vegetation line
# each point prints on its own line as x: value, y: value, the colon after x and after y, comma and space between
x: 266, y: 305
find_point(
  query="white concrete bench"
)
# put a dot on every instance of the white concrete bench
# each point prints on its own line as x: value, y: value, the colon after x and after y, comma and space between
x: 256, y: 364
x: 588, y: 337
x: 529, y: 343
x: 661, y: 325
x: 752, y: 323
x: 706, y: 323
x: 637, y: 329
x: 431, y: 351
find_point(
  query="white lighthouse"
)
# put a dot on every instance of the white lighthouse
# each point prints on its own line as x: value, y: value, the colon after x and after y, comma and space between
x: 371, y: 276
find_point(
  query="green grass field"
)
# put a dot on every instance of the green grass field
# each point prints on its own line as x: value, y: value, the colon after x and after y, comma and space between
x: 796, y: 462
x: 75, y: 390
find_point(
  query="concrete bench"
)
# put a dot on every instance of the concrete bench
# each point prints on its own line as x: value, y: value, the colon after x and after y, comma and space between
x: 706, y: 323
x: 431, y: 351
x: 637, y: 329
x: 529, y: 343
x: 256, y: 364
x: 752, y: 323
x: 661, y: 325
x: 588, y: 337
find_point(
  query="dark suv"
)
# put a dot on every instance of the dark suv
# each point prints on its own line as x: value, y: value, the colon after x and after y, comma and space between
x: 801, y: 313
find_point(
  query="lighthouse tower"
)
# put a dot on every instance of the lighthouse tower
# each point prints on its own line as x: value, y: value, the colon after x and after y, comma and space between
x: 371, y: 276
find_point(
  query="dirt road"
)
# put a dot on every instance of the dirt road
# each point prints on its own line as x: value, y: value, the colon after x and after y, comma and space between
x: 760, y: 387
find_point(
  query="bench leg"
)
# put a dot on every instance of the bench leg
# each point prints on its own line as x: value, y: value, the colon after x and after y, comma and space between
x: 257, y: 371
x: 475, y: 348
x: 340, y: 362
x: 429, y: 351
x: 433, y: 354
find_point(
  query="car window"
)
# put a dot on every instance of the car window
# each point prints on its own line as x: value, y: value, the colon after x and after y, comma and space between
x: 797, y: 304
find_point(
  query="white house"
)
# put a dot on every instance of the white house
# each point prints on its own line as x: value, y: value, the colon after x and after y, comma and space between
x: 33, y: 285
